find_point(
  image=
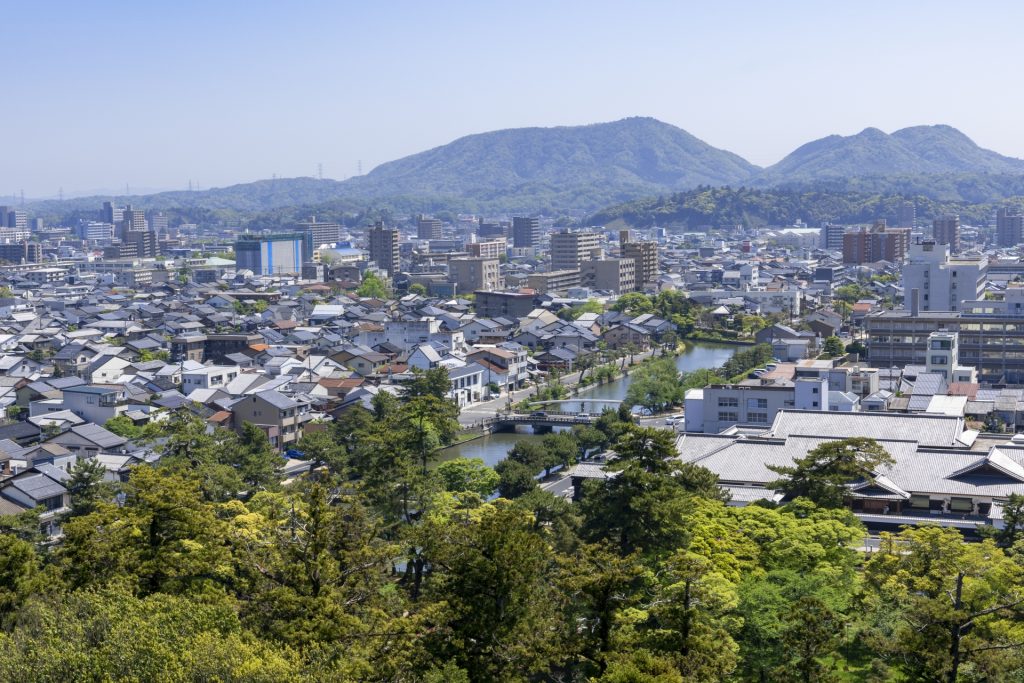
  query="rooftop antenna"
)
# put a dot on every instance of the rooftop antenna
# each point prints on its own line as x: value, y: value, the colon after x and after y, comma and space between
x: 320, y: 171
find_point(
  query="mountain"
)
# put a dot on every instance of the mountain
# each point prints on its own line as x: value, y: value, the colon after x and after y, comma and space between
x: 623, y: 157
x: 915, y: 151
x: 552, y: 170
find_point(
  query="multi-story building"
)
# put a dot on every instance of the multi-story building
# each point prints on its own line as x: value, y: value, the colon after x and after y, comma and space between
x: 1009, y: 227
x: 554, y: 282
x: 159, y: 222
x: 495, y: 247
x: 383, y: 246
x: 990, y: 334
x: 428, y: 228
x: 906, y: 215
x: 645, y: 254
x: 277, y: 254
x: 880, y: 243
x: 321, y: 232
x: 95, y: 232
x: 510, y: 305
x: 525, y: 232
x: 942, y: 281
x: 13, y: 218
x: 616, y: 275
x: 946, y: 230
x: 112, y: 214
x: 717, y: 407
x: 21, y: 252
x: 832, y: 236
x: 570, y: 249
x: 132, y: 220
x: 134, y: 244
x: 281, y: 418
x: 471, y: 274
x: 491, y: 229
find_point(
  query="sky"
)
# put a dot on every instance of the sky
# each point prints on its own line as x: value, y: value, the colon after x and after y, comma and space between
x: 153, y: 95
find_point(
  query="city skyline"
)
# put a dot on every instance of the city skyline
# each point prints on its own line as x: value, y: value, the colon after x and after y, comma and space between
x: 220, y: 97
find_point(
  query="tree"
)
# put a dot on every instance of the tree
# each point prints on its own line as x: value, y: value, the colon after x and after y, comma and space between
x: 468, y: 474
x: 515, y: 478
x: 833, y: 347
x: 1013, y: 521
x: 372, y: 287
x: 494, y: 580
x: 417, y: 289
x: 945, y: 607
x: 825, y: 474
x: 633, y: 303
x: 87, y: 486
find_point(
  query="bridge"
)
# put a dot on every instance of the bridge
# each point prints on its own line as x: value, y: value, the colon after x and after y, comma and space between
x: 596, y: 402
x: 541, y: 421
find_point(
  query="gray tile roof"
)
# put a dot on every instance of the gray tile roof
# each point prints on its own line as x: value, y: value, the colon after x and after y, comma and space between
x: 937, y: 431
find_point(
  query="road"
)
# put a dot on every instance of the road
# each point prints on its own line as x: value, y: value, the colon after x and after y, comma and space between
x: 486, y: 409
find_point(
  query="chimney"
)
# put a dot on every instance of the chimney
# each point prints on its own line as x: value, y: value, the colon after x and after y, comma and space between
x: 915, y: 301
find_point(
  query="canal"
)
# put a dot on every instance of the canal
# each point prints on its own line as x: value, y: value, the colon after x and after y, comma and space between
x: 493, y: 447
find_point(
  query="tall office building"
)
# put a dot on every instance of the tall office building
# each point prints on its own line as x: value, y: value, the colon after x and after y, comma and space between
x: 1009, y: 227
x: 428, y: 228
x: 278, y: 254
x: 906, y: 215
x: 383, y: 246
x: 95, y: 232
x: 321, y: 232
x: 570, y: 249
x: 112, y: 214
x: 158, y: 222
x: 946, y: 230
x: 13, y: 218
x: 21, y: 252
x: 132, y: 220
x: 525, y: 232
x: 832, y: 236
x: 645, y: 254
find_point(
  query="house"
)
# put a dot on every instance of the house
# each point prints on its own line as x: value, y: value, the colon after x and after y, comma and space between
x: 212, y: 377
x: 88, y: 440
x: 467, y: 384
x: 95, y: 403
x: 627, y: 335
x: 42, y: 486
x: 281, y: 418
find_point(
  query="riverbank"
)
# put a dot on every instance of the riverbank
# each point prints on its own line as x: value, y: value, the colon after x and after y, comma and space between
x: 711, y: 339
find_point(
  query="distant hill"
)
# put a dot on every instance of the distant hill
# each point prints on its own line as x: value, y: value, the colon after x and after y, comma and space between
x: 916, y: 151
x: 722, y: 207
x: 523, y: 169
x: 579, y: 169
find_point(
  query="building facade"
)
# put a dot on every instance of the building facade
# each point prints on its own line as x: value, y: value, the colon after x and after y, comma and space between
x: 525, y: 232
x: 946, y: 230
x: 942, y: 281
x: 383, y: 246
x: 278, y: 254
x: 471, y: 274
x: 570, y: 249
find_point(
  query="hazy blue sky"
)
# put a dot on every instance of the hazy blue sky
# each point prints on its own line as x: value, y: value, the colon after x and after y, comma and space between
x: 99, y: 94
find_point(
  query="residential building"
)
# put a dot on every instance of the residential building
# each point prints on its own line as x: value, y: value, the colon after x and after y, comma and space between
x: 613, y: 275
x: 321, y: 232
x: 95, y: 232
x: 132, y: 220
x: 275, y: 254
x: 471, y: 274
x: 93, y: 403
x: 281, y: 418
x: 383, y: 246
x: 428, y: 228
x: 491, y: 229
x: 525, y: 232
x: 1009, y: 227
x: 16, y: 219
x: 942, y: 281
x: 210, y: 377
x: 569, y: 249
x: 112, y: 214
x: 832, y: 236
x: 554, y: 282
x: 906, y: 215
x: 490, y: 248
x: 946, y: 230
x: 645, y: 254
x: 504, y: 304
x: 880, y: 243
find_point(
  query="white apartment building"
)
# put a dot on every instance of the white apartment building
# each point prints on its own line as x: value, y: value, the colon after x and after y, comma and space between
x: 943, y: 281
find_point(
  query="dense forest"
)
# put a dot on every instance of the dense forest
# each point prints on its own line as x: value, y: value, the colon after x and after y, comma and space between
x: 723, y: 207
x: 384, y: 565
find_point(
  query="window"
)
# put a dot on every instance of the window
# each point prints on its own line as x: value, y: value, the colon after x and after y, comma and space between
x: 761, y: 418
x: 939, y: 360
x: 761, y: 403
x: 728, y: 417
x: 728, y: 402
x: 814, y: 391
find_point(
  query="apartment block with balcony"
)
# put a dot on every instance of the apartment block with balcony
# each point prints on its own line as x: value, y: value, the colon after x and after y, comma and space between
x: 281, y: 418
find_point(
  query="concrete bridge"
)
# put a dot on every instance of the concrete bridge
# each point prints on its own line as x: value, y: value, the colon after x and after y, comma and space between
x: 541, y: 421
